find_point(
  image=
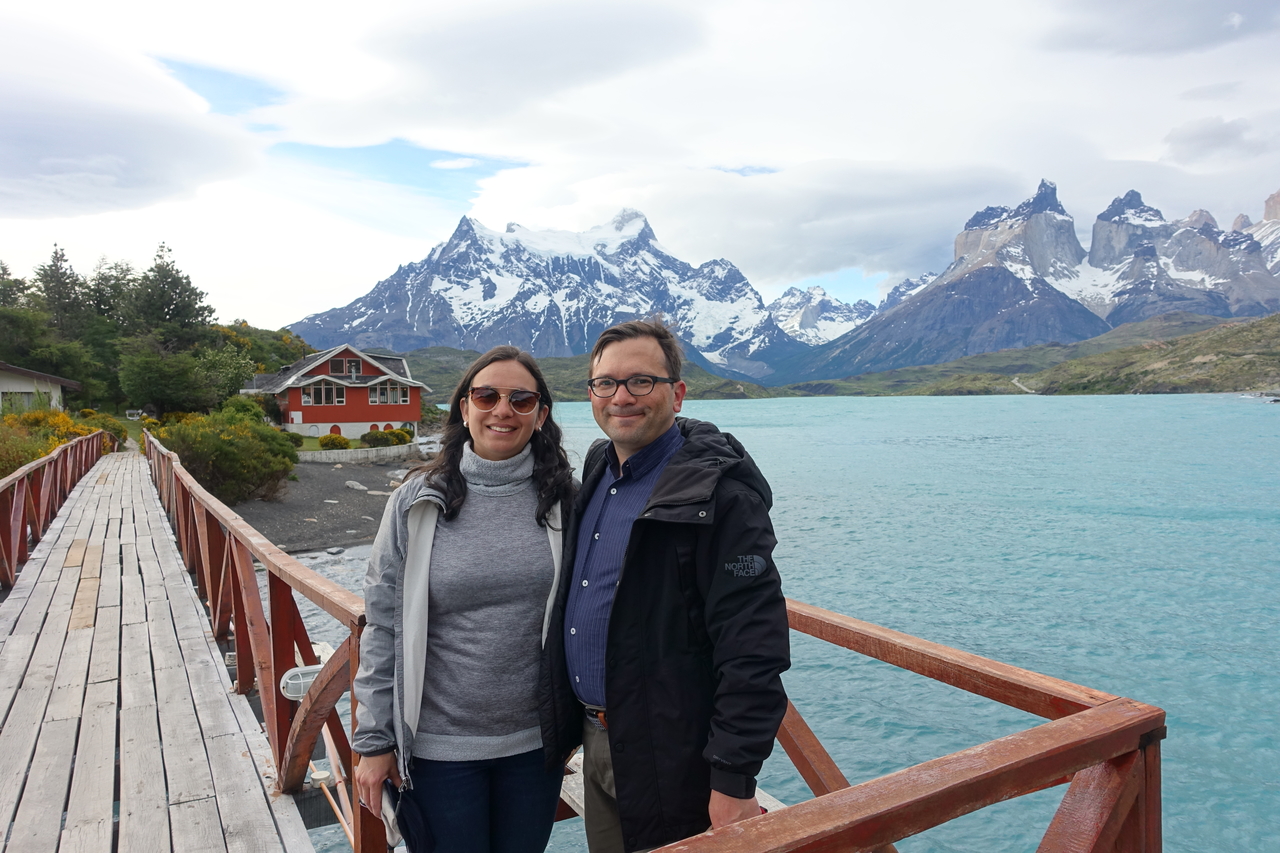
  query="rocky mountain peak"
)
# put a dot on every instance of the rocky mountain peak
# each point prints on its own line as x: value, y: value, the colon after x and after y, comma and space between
x: 1130, y: 209
x: 1044, y: 201
x: 1198, y: 219
x: 1272, y: 208
x: 625, y: 217
x: 1241, y: 222
x: 814, y: 316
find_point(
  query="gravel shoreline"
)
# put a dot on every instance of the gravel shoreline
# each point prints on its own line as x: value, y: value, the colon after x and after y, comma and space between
x: 319, y: 510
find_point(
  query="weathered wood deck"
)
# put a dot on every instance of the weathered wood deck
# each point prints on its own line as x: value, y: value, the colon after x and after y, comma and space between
x: 120, y: 728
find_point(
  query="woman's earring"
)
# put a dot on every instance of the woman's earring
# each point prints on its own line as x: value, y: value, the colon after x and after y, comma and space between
x: 464, y: 424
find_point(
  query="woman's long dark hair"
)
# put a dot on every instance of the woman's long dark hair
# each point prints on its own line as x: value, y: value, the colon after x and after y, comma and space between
x: 552, y: 474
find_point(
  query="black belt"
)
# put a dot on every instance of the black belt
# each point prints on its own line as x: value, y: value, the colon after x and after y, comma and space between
x: 597, y: 714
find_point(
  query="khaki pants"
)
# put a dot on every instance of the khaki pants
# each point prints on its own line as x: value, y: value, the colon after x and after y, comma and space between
x: 600, y: 798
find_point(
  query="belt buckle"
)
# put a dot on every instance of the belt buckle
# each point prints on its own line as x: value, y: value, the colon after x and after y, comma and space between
x: 598, y: 714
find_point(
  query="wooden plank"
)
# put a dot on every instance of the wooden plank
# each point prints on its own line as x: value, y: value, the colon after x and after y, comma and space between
x: 73, y: 670
x: 165, y: 653
x: 1095, y: 807
x: 144, y: 806
x: 212, y: 705
x: 109, y: 575
x: 14, y: 658
x: 75, y: 556
x: 35, y: 609
x: 104, y: 664
x: 136, y: 686
x: 86, y: 604
x: 17, y: 741
x: 38, y: 822
x: 197, y: 826
x: 92, y: 566
x: 918, y: 798
x: 246, y: 818
x: 133, y: 606
x: 185, y: 762
x: 93, y: 784
x: 1028, y: 691
x: 289, y: 825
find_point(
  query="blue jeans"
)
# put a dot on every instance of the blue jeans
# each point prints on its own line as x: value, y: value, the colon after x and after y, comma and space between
x: 498, y: 805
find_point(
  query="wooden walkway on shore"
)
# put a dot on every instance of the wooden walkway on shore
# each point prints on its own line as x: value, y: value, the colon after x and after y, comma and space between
x: 120, y: 728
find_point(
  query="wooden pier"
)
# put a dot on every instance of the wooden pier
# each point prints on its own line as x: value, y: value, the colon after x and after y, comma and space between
x: 121, y: 731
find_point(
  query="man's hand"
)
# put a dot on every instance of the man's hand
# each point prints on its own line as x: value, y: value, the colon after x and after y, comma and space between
x: 725, y: 810
x: 370, y: 773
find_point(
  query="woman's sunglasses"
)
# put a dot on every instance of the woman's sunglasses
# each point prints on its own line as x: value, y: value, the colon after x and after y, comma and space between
x: 486, y: 399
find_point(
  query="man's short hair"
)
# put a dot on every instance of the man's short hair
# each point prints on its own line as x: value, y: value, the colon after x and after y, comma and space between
x: 653, y: 327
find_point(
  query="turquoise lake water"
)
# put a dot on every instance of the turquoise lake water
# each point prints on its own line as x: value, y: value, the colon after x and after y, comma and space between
x: 1124, y: 543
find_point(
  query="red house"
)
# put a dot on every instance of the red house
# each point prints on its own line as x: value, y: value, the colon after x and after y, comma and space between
x: 345, y: 392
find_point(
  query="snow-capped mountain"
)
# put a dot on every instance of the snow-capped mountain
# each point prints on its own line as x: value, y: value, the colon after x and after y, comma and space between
x: 553, y: 292
x: 1141, y: 265
x: 903, y: 289
x: 814, y: 317
x: 1020, y: 277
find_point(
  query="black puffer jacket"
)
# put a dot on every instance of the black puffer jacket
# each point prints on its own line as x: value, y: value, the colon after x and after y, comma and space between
x: 698, y: 640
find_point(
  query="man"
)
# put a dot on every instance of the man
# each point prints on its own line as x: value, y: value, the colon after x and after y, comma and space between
x: 675, y: 628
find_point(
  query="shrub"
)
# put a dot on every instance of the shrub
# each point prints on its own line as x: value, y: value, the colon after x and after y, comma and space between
x: 106, y: 423
x: 17, y: 448
x: 149, y: 423
x: 87, y: 413
x: 234, y: 458
x: 176, y: 417
x: 294, y: 438
x: 432, y: 415
x: 242, y: 408
x: 377, y: 439
x: 401, y: 436
x: 334, y: 442
x: 49, y: 425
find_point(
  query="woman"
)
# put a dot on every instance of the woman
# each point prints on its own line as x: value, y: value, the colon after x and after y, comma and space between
x: 461, y: 580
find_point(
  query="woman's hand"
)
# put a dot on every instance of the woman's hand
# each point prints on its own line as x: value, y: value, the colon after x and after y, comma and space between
x: 369, y: 775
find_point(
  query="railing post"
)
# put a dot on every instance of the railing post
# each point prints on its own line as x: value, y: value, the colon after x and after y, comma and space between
x: 368, y: 833
x: 284, y: 617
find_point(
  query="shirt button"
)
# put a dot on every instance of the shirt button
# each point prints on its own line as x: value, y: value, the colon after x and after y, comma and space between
x: 597, y: 536
x: 573, y: 630
x: 577, y: 679
x: 613, y: 491
x: 702, y: 514
x: 584, y: 583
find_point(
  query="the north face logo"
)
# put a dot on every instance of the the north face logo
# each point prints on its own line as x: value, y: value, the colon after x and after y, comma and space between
x: 747, y: 566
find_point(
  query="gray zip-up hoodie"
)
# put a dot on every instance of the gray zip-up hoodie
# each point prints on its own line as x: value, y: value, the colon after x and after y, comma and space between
x: 393, y: 653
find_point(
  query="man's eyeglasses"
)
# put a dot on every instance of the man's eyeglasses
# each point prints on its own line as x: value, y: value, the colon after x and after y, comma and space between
x: 637, y: 386
x: 486, y: 399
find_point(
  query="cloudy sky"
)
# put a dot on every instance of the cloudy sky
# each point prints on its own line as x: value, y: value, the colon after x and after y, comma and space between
x: 292, y: 154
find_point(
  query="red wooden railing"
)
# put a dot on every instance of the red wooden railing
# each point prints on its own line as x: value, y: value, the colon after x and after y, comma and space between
x: 269, y: 639
x: 1106, y: 748
x: 31, y: 496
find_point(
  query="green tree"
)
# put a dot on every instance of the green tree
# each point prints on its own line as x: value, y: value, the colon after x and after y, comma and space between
x: 167, y: 304
x: 151, y: 373
x: 13, y: 291
x: 63, y: 290
x: 224, y: 371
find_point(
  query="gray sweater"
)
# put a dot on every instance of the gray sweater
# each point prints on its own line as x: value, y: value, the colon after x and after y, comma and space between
x: 491, y: 573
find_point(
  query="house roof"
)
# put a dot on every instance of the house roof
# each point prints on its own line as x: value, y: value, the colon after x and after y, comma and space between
x: 35, y: 374
x: 295, y: 375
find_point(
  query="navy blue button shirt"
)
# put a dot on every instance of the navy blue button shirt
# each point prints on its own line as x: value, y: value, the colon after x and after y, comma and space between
x: 602, y: 546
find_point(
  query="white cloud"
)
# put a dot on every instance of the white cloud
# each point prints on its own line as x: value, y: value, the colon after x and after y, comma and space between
x: 862, y: 135
x: 456, y: 163
x: 86, y: 130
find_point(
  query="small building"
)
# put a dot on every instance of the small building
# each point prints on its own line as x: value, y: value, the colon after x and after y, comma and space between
x: 343, y: 391
x: 22, y: 389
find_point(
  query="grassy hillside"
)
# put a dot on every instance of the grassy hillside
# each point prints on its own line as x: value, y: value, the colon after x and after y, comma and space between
x: 1234, y: 356
x: 442, y: 368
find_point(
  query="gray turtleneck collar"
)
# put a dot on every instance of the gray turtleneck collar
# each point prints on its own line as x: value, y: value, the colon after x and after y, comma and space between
x: 496, y: 478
